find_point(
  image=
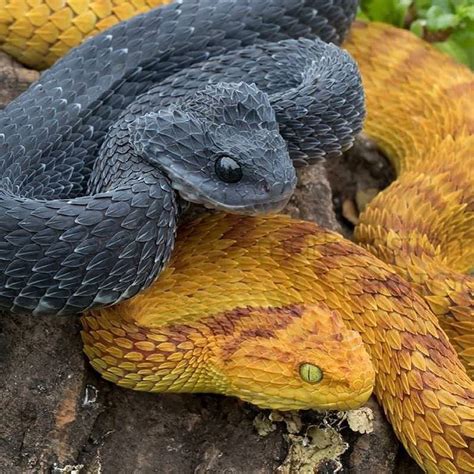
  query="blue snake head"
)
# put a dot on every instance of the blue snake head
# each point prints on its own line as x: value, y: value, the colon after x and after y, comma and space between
x: 220, y: 147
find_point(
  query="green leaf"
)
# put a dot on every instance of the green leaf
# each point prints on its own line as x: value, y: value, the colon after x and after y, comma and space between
x: 453, y: 49
x: 464, y: 39
x: 387, y: 11
x: 422, y: 6
x: 417, y: 27
x: 437, y: 19
x: 460, y: 45
x: 361, y: 15
x: 455, y: 16
x: 444, y: 6
x: 465, y: 12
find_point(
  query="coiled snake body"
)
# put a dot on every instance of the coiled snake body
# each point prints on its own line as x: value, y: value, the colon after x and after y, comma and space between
x: 267, y: 308
x: 88, y: 217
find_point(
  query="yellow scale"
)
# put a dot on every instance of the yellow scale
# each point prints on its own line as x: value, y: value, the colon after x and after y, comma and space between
x: 39, y: 32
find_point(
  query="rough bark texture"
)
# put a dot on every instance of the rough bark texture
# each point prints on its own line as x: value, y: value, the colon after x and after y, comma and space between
x: 14, y: 79
x: 312, y: 200
x: 58, y: 416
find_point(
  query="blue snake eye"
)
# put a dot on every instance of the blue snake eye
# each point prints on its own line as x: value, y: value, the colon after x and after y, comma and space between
x: 228, y: 170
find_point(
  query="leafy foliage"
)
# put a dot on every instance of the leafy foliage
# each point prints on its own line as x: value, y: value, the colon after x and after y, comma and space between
x: 448, y: 24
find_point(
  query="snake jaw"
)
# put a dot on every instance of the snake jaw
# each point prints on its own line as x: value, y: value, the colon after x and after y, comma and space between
x: 344, y: 403
x: 264, y: 206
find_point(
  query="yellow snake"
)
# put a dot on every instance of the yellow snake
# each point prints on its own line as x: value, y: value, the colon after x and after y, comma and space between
x: 37, y: 32
x: 270, y: 309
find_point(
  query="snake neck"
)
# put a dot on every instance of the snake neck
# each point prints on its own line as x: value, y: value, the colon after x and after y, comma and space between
x: 148, y: 359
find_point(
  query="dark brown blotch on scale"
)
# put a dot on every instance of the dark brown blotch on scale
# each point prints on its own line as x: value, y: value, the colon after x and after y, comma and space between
x: 241, y: 230
x: 297, y: 241
x: 433, y: 194
x: 225, y: 324
x: 264, y: 333
x: 459, y: 90
x: 359, y: 25
x: 281, y: 318
x: 414, y: 61
x: 339, y: 248
x: 396, y: 285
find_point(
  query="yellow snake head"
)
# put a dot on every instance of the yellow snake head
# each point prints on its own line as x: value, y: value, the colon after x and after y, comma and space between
x: 299, y: 357
x: 286, y: 358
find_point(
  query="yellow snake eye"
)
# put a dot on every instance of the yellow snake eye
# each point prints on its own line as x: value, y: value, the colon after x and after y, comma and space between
x: 311, y: 373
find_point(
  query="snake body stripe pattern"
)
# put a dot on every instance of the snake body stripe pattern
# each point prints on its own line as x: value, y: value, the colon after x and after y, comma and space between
x: 256, y: 307
x: 226, y: 268
x: 423, y: 224
x: 88, y: 218
x: 216, y: 320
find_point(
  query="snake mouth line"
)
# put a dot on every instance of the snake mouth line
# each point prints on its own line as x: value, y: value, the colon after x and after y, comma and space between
x: 264, y: 205
x: 350, y: 402
x: 267, y: 207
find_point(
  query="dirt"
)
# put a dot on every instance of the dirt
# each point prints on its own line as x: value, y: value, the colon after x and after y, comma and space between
x: 363, y: 168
